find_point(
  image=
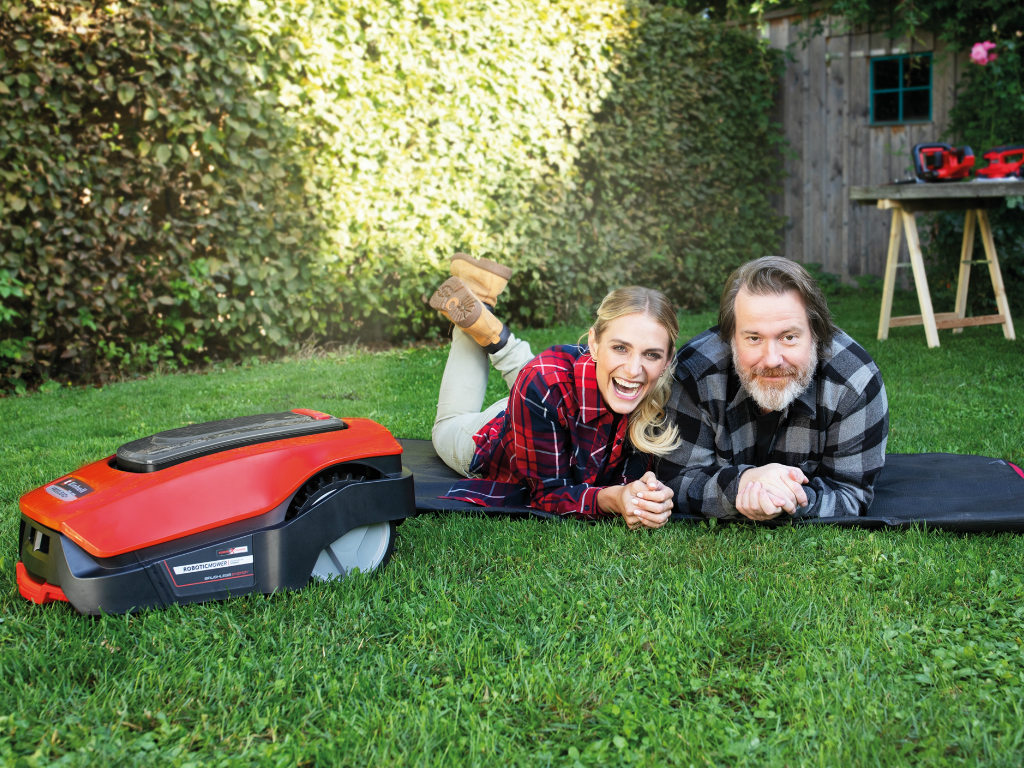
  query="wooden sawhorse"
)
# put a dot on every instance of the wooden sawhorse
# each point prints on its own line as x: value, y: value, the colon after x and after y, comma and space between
x: 904, y: 224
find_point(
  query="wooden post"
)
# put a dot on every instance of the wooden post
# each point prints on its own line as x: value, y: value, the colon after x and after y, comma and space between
x: 891, y: 261
x: 963, y: 279
x: 994, y: 272
x: 924, y: 298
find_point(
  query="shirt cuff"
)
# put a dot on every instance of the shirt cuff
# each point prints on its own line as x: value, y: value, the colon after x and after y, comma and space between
x: 588, y: 503
x: 729, y: 481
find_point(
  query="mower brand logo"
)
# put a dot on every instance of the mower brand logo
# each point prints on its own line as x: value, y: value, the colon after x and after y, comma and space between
x: 228, y: 562
x: 68, y: 489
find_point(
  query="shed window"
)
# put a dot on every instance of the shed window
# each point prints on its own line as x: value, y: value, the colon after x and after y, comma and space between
x: 901, y: 89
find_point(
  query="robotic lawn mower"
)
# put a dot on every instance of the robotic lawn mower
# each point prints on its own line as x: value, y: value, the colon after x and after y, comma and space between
x: 213, y: 510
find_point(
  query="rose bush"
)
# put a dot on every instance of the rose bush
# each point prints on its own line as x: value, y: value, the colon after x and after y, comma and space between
x: 989, y: 112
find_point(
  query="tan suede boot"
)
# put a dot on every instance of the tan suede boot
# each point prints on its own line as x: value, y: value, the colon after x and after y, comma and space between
x: 485, y: 278
x: 456, y: 302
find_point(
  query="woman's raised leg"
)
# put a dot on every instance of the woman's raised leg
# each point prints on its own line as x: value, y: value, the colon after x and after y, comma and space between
x: 477, y: 336
x: 459, y: 402
x: 511, y: 358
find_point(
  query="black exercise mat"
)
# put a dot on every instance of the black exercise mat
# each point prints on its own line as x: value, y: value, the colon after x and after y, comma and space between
x: 432, y: 478
x: 941, y: 490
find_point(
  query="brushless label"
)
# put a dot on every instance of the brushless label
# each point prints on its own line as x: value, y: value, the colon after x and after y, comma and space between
x: 224, y: 568
x: 68, y: 489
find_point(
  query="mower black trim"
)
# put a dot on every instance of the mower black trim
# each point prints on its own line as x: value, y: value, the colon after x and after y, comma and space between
x: 174, y: 446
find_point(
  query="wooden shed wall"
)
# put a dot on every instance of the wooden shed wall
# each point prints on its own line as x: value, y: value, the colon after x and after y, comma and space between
x: 824, y: 108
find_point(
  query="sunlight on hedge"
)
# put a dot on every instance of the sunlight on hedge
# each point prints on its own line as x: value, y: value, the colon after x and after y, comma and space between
x: 188, y: 180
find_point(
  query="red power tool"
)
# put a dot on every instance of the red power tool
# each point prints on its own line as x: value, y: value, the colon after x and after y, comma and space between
x: 942, y: 162
x: 1004, y: 162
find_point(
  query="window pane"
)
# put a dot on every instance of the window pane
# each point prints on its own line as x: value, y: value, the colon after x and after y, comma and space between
x: 915, y: 105
x: 887, y: 107
x: 901, y: 88
x: 917, y: 72
x: 887, y: 73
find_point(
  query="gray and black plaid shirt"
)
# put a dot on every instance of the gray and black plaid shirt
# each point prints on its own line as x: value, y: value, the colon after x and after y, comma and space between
x: 835, y: 431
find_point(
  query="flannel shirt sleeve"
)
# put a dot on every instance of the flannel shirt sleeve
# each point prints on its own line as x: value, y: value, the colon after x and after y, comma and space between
x: 542, y: 448
x: 703, y: 484
x: 843, y: 483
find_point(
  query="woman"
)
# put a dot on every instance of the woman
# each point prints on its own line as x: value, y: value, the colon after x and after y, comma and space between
x: 558, y: 443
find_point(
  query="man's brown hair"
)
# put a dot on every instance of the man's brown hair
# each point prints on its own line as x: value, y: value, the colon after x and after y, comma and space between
x: 777, y: 275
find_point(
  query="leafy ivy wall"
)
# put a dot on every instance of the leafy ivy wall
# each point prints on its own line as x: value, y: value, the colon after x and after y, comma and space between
x: 182, y: 180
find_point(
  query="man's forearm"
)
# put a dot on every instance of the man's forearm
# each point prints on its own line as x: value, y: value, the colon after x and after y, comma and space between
x: 709, y: 491
x: 828, y: 497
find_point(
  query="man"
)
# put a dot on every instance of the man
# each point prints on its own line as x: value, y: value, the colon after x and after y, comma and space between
x: 779, y: 411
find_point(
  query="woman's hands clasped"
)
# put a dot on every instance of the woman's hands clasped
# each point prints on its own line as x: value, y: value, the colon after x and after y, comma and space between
x: 643, y: 503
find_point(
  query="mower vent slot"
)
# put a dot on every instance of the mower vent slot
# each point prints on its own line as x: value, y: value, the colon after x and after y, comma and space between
x: 165, y: 449
x: 39, y: 540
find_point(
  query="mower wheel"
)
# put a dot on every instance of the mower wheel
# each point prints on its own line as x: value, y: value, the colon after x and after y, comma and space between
x: 367, y: 548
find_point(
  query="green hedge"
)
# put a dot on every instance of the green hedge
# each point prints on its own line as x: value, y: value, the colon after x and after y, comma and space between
x: 187, y: 180
x: 154, y: 187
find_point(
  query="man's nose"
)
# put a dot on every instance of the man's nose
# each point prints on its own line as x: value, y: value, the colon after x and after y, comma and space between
x: 773, y: 355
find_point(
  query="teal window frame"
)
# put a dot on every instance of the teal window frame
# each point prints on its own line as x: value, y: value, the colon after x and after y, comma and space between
x: 903, y: 89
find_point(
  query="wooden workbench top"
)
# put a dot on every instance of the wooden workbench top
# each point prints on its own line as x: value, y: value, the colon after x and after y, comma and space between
x: 937, y: 190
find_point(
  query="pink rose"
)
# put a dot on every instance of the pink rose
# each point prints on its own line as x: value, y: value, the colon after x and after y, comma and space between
x: 982, y: 54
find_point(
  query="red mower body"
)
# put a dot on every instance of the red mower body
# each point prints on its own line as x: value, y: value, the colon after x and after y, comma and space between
x: 215, y: 509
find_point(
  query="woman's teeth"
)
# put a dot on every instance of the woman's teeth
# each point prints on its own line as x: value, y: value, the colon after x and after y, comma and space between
x: 626, y: 388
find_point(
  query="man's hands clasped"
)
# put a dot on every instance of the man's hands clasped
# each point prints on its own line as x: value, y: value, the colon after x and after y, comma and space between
x: 766, y: 492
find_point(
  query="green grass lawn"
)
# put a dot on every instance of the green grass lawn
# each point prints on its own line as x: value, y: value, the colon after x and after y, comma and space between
x: 536, y: 642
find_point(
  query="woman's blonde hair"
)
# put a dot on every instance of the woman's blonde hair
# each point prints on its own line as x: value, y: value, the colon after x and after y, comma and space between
x: 649, y: 428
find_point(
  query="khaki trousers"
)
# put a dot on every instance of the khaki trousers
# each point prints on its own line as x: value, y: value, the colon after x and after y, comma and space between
x: 460, y: 412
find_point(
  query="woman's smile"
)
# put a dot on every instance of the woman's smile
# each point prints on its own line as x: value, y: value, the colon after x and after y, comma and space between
x: 629, y: 390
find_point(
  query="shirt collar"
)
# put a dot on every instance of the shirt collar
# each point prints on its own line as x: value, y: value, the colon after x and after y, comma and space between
x: 592, y: 406
x: 808, y: 399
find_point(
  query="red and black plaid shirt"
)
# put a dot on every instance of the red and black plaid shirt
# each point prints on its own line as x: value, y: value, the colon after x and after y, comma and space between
x: 555, y: 445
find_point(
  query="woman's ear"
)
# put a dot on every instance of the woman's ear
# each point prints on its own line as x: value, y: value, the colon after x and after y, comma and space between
x: 592, y: 342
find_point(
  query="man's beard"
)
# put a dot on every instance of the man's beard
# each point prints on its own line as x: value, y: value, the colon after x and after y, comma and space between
x: 772, y: 398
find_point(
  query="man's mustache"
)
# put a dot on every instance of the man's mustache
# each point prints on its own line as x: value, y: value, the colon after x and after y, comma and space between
x: 777, y: 372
